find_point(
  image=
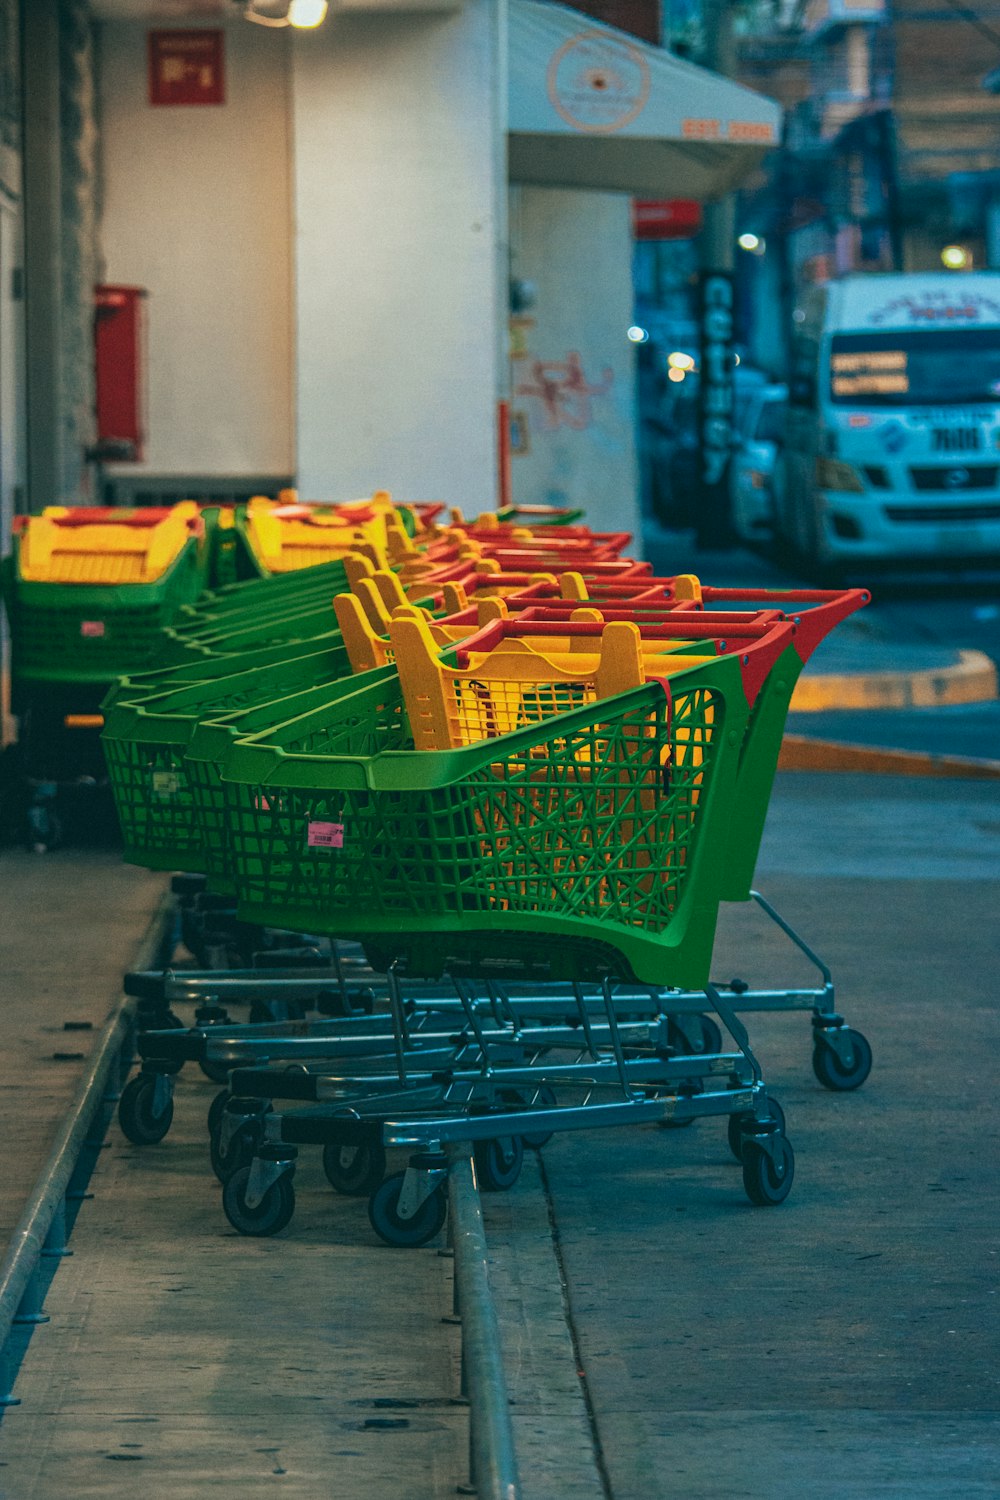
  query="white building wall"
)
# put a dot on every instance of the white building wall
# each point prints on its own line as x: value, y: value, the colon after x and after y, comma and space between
x: 573, y: 368
x: 399, y: 157
x: 196, y: 208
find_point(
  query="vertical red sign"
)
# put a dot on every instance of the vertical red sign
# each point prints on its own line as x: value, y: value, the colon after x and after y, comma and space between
x: 186, y: 67
x: 118, y: 349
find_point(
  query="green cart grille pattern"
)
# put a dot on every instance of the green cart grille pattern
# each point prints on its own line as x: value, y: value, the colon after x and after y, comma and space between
x: 589, y: 829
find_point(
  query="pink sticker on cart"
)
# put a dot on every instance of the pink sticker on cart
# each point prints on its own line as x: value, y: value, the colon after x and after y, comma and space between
x: 325, y: 836
x: 91, y: 627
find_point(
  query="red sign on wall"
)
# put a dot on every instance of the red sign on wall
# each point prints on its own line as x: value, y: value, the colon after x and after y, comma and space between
x: 186, y: 67
x: 665, y: 218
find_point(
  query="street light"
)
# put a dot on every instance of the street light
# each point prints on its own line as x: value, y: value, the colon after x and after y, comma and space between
x: 956, y: 257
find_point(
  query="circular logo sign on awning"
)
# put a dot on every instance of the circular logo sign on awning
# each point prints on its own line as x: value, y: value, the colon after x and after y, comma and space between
x: 597, y: 83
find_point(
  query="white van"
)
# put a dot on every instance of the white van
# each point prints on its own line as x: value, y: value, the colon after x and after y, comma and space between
x: 893, y: 432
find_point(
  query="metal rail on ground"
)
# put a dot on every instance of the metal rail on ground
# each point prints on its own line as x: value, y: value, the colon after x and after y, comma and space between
x: 492, y: 1459
x: 41, y: 1232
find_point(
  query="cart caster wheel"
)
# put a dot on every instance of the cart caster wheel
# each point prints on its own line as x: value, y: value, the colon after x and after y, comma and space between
x: 832, y: 1073
x: 356, y: 1171
x: 766, y: 1181
x: 270, y: 1216
x: 542, y: 1098
x: 135, y: 1112
x: 498, y: 1162
x: 216, y: 1110
x: 710, y: 1037
x: 740, y: 1125
x: 705, y: 1041
x: 238, y: 1154
x: 217, y: 1072
x: 383, y: 1215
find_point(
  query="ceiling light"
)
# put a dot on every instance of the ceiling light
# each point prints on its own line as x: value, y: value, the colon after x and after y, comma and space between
x: 306, y: 14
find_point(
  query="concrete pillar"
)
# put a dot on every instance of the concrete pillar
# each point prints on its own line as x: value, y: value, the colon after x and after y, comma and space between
x: 196, y: 209
x: 573, y: 390
x: 43, y: 255
x: 400, y: 233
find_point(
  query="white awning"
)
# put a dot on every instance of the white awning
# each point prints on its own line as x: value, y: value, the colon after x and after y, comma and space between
x: 591, y: 107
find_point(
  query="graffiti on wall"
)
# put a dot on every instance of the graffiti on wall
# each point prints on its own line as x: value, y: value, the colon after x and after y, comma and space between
x: 563, y: 392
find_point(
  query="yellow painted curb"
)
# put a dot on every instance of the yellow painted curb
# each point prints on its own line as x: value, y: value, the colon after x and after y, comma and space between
x: 799, y: 753
x: 973, y: 679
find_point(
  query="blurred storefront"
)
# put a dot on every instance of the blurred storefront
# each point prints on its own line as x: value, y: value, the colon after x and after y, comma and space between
x: 327, y: 226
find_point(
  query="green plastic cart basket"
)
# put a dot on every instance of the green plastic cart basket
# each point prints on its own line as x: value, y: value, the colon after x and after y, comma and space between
x: 595, y: 839
x: 208, y: 750
x: 92, y: 633
x: 144, y: 744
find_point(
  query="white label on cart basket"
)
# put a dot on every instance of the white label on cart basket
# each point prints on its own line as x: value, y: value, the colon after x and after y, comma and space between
x: 166, y: 783
x: 325, y: 836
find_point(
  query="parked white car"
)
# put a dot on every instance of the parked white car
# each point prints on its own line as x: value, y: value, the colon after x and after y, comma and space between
x: 759, y: 437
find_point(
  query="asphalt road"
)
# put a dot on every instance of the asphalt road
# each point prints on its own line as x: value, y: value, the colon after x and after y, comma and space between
x: 942, y: 611
x: 842, y: 1345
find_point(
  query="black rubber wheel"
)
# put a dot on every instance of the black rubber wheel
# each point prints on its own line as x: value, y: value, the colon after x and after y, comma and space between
x: 541, y: 1098
x: 766, y: 1181
x: 383, y: 1214
x: 498, y: 1162
x: 215, y: 1110
x: 831, y: 1071
x: 706, y: 1041
x: 135, y: 1112
x: 270, y: 1216
x: 739, y: 1125
x: 355, y: 1171
x: 239, y: 1153
x: 711, y: 1036
x: 217, y: 1072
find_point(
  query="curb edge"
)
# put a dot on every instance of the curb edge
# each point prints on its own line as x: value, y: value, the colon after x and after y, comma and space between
x: 801, y: 753
x: 973, y: 679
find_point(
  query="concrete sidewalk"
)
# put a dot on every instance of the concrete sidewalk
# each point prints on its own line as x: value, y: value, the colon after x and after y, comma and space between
x: 70, y: 923
x: 224, y: 1365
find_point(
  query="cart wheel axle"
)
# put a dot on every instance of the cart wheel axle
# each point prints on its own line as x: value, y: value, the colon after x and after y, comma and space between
x: 383, y: 1214
x: 743, y: 1125
x: 356, y: 1171
x: 843, y: 1064
x: 498, y: 1162
x: 270, y: 1216
x: 144, y: 1118
x: 768, y: 1170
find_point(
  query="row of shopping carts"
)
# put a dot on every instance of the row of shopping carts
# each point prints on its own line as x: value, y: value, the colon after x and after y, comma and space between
x: 457, y: 808
x: 90, y: 593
